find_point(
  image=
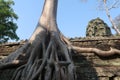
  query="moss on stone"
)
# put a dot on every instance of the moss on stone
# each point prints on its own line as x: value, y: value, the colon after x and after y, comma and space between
x: 97, y: 27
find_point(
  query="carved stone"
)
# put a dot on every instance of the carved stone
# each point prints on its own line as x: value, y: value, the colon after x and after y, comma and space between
x: 97, y: 27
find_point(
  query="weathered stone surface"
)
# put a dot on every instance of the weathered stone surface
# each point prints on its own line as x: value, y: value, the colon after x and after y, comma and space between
x: 104, y: 78
x: 97, y: 27
x: 93, y: 67
x: 7, y: 48
x: 117, y: 78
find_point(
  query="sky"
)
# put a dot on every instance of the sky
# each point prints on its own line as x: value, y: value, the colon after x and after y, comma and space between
x: 72, y: 17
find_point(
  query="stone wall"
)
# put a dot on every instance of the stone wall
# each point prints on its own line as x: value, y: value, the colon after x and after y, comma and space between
x: 8, y: 48
x: 89, y: 66
x: 93, y: 67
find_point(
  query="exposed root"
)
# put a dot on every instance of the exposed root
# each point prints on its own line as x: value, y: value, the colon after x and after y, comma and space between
x: 18, y: 54
x: 49, y: 60
x: 16, y: 73
x: 13, y: 64
x: 99, y: 52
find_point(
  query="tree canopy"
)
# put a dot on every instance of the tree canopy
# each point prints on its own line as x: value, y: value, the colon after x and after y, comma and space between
x: 7, y: 25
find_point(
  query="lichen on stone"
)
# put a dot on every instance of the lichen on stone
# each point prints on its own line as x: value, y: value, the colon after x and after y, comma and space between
x: 97, y: 27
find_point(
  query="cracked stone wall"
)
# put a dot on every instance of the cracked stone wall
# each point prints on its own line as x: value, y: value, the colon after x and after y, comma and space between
x: 7, y: 48
x: 93, y: 67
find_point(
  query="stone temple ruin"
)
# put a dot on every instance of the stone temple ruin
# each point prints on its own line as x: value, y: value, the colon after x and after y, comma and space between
x: 97, y: 28
x: 89, y: 66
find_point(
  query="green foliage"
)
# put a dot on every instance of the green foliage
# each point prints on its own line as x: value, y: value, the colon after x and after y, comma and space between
x: 7, y: 25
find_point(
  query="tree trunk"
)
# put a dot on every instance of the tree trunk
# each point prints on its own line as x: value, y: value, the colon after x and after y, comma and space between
x: 46, y: 55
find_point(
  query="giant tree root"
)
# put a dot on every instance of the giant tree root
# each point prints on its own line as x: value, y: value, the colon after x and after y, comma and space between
x: 99, y: 52
x: 48, y: 59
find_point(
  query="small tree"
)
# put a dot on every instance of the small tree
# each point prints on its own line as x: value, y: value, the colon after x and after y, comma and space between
x: 107, y: 5
x: 117, y: 22
x: 7, y: 25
